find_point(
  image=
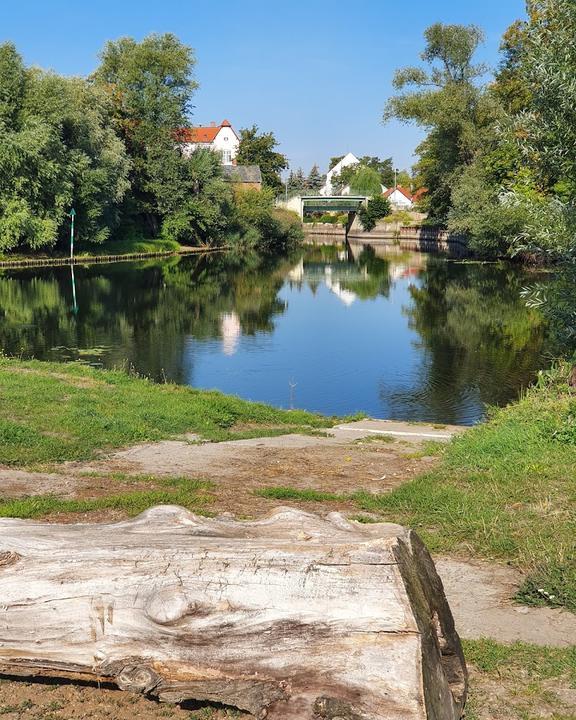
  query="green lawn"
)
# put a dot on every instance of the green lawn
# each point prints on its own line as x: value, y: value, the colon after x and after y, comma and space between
x: 52, y: 412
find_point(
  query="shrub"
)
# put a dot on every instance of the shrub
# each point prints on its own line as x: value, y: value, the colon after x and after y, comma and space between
x: 378, y: 207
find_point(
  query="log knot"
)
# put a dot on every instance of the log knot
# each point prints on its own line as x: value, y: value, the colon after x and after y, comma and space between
x: 168, y: 605
x: 9, y: 558
x: 137, y: 678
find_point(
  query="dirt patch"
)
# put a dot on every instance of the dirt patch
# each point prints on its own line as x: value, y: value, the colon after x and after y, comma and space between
x: 518, y: 698
x: 21, y: 700
x: 480, y: 596
x: 239, y: 469
x: 19, y: 483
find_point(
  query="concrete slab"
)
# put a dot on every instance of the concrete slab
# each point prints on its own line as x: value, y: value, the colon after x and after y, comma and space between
x: 397, y: 429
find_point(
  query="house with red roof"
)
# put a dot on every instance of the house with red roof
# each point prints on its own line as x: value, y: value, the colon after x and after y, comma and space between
x: 219, y: 138
x: 400, y: 198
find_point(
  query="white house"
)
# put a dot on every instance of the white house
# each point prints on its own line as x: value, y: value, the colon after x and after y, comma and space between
x: 346, y: 161
x: 220, y: 138
x: 400, y: 198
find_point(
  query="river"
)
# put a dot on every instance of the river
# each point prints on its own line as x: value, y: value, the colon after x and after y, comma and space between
x: 411, y: 337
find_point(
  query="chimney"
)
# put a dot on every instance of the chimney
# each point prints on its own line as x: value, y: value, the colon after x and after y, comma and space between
x: 212, y: 124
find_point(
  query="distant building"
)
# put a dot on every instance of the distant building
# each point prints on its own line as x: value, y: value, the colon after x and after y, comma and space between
x: 346, y: 161
x: 220, y: 138
x: 244, y: 176
x: 400, y: 198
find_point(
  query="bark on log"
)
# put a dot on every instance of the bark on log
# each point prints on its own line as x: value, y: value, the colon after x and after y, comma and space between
x: 293, y: 616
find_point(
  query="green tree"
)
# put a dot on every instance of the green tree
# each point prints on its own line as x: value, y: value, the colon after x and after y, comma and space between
x: 335, y: 160
x: 151, y: 85
x: 315, y: 179
x: 366, y: 181
x: 548, y: 66
x: 378, y: 207
x: 345, y: 178
x: 258, y: 148
x: 57, y: 150
x: 299, y: 182
x: 511, y: 87
x: 12, y: 85
x: 445, y: 100
x: 384, y: 167
x: 192, y: 198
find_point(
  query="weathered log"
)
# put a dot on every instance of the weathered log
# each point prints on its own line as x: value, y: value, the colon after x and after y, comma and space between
x: 293, y: 616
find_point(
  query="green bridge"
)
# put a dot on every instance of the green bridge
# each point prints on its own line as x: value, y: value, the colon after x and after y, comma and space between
x: 320, y: 203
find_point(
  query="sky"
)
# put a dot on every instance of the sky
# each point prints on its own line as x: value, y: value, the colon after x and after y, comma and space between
x: 315, y: 72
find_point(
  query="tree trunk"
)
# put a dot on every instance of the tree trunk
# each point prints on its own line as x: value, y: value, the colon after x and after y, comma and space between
x: 293, y: 616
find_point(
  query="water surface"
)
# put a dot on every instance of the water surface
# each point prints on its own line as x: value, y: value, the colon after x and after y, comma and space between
x: 410, y: 337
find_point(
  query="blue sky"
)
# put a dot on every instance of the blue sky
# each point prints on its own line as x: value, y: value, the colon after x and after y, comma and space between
x: 315, y: 72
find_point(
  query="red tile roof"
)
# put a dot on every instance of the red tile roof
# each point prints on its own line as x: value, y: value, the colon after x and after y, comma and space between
x: 400, y: 189
x: 201, y: 134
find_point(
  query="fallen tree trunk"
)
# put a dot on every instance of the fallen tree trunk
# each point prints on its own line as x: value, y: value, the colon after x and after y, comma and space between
x: 293, y: 616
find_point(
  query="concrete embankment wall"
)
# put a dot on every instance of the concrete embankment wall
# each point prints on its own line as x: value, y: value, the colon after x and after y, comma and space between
x: 324, y: 233
x: 415, y: 238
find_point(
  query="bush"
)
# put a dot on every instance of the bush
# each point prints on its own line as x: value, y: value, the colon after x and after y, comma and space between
x: 260, y: 225
x: 377, y: 208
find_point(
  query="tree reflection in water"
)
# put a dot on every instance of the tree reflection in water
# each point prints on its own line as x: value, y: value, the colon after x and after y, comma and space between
x: 398, y: 335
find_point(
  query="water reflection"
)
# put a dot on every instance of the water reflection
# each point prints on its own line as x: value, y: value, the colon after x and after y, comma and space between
x: 332, y: 329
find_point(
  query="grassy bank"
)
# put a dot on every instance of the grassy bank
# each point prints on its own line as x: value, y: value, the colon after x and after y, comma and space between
x: 130, y: 246
x: 505, y: 490
x: 53, y: 412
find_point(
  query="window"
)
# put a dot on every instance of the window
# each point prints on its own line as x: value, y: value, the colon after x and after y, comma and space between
x: 227, y: 157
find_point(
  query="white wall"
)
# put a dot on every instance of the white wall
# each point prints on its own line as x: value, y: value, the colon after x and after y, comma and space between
x: 226, y: 140
x: 399, y: 200
x: 346, y: 161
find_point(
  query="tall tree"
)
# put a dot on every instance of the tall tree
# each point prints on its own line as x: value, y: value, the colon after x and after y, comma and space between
x: 12, y: 85
x: 549, y: 68
x: 443, y: 98
x: 366, y: 181
x: 511, y: 87
x: 151, y: 86
x: 57, y: 150
x: 258, y: 148
x: 315, y: 179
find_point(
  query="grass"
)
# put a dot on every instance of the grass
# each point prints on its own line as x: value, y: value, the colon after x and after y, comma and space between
x: 528, y: 679
x: 53, y: 412
x: 127, y: 246
x: 130, y: 246
x: 505, y: 490
x: 286, y: 493
x: 191, y: 494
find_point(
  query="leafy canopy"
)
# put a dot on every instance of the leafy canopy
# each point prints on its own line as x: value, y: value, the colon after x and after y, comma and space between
x: 258, y: 148
x: 443, y: 97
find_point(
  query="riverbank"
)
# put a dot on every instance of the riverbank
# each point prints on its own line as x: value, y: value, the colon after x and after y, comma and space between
x: 112, y: 252
x: 504, y: 490
x: 495, y: 504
